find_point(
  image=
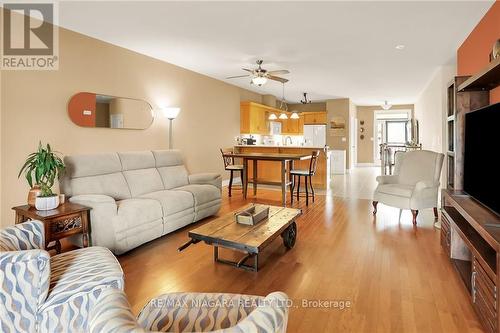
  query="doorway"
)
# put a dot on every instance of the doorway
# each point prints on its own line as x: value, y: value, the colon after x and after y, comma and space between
x: 390, y: 127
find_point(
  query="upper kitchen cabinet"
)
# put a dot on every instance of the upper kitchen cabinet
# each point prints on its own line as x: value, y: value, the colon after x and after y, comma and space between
x: 292, y: 126
x: 254, y: 118
x: 315, y: 117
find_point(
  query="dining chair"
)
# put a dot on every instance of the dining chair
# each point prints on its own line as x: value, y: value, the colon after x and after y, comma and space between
x: 230, y: 166
x: 307, y: 174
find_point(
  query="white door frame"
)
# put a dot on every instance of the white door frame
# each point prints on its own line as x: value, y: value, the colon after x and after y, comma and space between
x: 353, y: 142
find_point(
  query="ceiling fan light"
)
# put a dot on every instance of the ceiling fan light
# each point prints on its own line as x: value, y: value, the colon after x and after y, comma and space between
x: 283, y: 116
x: 272, y: 116
x: 294, y: 115
x: 259, y: 80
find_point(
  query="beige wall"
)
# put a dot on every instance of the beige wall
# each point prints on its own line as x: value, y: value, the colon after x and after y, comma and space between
x: 341, y: 107
x: 366, y: 113
x: 34, y: 108
x: 311, y: 107
x: 430, y: 111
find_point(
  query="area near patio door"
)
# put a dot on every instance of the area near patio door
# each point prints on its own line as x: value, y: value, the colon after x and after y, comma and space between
x: 391, y: 127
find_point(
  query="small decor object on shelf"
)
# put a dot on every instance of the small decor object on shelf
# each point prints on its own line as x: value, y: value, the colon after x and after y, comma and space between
x: 252, y: 215
x: 44, y: 166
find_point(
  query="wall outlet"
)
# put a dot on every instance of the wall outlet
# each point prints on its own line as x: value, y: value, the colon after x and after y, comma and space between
x: 344, y: 139
x: 87, y: 112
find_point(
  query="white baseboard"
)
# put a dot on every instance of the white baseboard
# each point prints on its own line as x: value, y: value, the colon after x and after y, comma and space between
x: 236, y: 181
x: 365, y: 164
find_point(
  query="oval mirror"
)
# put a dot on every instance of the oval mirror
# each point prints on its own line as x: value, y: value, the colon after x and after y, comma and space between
x: 95, y: 110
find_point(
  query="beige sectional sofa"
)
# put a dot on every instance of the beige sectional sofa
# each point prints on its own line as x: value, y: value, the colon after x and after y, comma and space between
x: 138, y: 196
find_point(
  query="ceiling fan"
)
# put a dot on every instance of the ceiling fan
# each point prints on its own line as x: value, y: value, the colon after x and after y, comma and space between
x: 260, y: 75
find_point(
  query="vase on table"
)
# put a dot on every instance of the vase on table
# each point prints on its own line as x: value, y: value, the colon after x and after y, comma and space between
x: 34, y: 192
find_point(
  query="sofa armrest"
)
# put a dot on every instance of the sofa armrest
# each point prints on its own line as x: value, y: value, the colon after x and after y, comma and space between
x: 423, y: 184
x: 103, y: 213
x: 112, y: 313
x: 28, y: 235
x: 211, y: 178
x: 26, y: 285
x: 389, y: 179
x: 271, y: 316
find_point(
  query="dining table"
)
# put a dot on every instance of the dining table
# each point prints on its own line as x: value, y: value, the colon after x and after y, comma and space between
x: 283, y: 158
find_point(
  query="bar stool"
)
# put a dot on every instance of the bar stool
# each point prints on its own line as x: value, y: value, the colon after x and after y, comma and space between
x: 230, y: 166
x: 307, y: 174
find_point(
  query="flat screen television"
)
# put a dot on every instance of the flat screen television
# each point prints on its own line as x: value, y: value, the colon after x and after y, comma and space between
x: 482, y: 156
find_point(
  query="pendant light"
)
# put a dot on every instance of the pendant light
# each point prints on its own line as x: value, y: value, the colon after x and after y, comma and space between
x: 283, y: 105
x: 272, y: 116
x: 386, y: 106
x: 294, y: 115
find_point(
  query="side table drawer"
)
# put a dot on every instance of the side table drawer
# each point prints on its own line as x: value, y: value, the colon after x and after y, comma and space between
x: 66, y: 225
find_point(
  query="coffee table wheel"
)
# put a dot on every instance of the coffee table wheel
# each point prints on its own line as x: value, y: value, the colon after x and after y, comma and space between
x: 290, y: 235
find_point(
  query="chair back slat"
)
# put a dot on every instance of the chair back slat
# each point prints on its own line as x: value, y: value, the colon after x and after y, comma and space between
x: 228, y: 160
x: 313, y: 163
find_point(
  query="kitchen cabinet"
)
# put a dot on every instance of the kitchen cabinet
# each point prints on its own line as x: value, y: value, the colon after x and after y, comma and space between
x: 292, y: 126
x: 315, y: 117
x: 254, y: 118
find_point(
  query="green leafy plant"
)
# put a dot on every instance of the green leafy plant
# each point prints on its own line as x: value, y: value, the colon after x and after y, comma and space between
x: 43, y: 166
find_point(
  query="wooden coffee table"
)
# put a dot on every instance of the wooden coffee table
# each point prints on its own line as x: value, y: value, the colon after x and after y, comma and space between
x: 251, y: 240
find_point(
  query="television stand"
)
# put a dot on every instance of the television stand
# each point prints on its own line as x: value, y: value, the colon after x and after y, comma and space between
x: 470, y: 236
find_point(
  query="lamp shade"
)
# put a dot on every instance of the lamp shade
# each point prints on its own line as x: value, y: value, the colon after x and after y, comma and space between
x: 259, y: 80
x: 272, y: 116
x: 294, y: 115
x: 283, y: 116
x: 170, y: 113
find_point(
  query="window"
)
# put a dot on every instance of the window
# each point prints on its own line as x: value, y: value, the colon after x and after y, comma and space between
x: 396, y: 132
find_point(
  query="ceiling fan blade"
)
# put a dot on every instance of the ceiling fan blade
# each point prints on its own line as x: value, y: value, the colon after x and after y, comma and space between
x: 237, y: 76
x: 248, y: 70
x: 277, y: 78
x: 281, y: 71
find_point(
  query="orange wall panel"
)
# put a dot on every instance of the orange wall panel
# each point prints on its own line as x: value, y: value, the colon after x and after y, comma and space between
x: 475, y: 51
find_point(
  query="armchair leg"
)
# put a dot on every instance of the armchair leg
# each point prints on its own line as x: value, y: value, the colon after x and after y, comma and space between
x: 414, y: 212
x: 435, y: 213
x: 375, y: 203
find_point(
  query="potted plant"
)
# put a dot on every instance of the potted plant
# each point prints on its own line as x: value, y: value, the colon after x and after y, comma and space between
x: 42, y: 166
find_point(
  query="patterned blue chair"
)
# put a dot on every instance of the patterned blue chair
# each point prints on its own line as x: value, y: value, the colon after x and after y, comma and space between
x: 39, y: 293
x: 191, y: 312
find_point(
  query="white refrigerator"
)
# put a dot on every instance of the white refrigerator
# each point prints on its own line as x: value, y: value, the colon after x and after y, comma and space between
x: 315, y: 136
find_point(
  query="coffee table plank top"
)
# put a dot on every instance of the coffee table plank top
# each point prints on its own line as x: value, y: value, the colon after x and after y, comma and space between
x: 225, y: 231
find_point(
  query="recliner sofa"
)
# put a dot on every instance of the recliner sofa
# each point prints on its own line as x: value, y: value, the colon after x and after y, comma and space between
x: 138, y: 196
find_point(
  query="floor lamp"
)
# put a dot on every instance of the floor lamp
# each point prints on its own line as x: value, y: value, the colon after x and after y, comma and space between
x: 170, y: 114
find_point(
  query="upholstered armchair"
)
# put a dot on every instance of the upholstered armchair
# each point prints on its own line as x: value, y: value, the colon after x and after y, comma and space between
x: 191, y: 312
x: 40, y: 293
x: 414, y: 184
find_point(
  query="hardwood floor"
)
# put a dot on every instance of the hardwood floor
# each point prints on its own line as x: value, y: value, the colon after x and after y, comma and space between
x: 395, y: 276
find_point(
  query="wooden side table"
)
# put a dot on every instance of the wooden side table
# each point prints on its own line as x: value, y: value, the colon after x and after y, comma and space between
x: 66, y: 220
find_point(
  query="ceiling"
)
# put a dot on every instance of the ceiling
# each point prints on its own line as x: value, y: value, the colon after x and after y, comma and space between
x: 332, y: 49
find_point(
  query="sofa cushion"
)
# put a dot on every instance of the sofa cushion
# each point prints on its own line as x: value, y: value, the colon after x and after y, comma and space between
x: 173, y: 176
x: 134, y: 212
x: 202, y: 193
x: 143, y: 181
x: 133, y: 160
x: 172, y: 201
x: 399, y: 190
x: 166, y: 158
x: 94, y: 174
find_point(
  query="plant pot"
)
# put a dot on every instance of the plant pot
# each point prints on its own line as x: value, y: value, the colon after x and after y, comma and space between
x: 33, y: 193
x: 47, y: 203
